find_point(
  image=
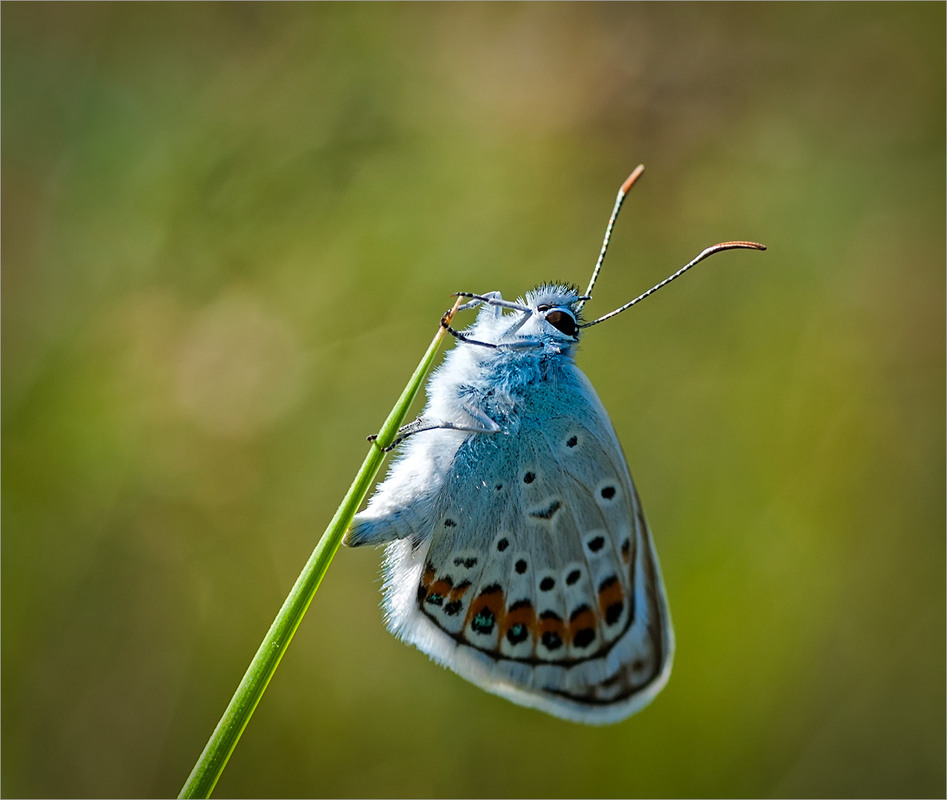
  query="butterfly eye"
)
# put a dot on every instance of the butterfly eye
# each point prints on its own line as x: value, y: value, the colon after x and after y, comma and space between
x: 562, y: 321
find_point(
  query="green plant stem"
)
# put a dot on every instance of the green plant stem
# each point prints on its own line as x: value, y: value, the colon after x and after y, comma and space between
x: 223, y: 740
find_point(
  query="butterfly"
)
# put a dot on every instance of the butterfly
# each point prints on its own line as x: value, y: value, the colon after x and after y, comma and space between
x: 518, y: 553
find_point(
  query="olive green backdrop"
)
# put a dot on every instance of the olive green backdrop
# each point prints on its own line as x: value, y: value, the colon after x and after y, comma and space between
x: 228, y: 234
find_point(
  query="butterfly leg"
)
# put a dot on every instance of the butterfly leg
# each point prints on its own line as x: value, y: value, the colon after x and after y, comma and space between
x: 420, y: 424
x: 496, y: 300
x: 486, y: 425
x: 461, y: 337
x: 477, y: 301
x: 491, y: 299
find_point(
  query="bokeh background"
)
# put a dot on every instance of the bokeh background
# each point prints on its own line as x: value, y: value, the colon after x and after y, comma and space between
x: 228, y: 234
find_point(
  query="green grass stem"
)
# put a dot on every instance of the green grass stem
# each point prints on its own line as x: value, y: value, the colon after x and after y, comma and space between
x: 223, y: 740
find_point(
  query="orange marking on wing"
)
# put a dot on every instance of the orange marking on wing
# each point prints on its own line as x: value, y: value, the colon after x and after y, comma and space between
x: 611, y: 596
x: 552, y: 625
x: 524, y: 615
x: 486, y: 610
x: 442, y: 587
x: 459, y: 591
x: 582, y: 621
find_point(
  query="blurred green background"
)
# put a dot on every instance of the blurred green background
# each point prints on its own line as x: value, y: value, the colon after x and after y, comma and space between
x: 228, y: 234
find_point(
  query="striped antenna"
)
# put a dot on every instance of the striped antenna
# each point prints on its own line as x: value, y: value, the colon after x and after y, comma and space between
x: 717, y: 248
x: 629, y: 182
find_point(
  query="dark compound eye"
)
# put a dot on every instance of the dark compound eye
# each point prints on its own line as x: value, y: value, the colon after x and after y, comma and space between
x: 562, y: 321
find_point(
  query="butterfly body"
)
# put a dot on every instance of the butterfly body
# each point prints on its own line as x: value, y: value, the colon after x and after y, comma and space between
x: 518, y: 553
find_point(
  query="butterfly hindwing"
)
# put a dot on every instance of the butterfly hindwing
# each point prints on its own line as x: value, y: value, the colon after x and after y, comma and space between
x: 533, y: 572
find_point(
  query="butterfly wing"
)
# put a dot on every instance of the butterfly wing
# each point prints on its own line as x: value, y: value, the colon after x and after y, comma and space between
x: 532, y: 573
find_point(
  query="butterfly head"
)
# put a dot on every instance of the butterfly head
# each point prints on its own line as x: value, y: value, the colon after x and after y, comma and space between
x: 554, y: 316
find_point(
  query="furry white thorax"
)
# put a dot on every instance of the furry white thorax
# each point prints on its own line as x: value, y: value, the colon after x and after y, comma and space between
x: 527, y: 349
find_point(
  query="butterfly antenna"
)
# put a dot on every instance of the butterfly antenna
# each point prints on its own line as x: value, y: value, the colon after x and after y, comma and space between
x: 629, y: 182
x: 717, y: 248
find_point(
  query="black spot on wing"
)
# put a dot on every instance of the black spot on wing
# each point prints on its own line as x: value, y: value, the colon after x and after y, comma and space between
x: 483, y: 621
x: 551, y: 640
x: 548, y: 512
x: 517, y: 633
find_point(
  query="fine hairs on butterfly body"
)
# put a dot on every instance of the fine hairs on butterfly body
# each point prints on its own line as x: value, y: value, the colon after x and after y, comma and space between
x: 518, y: 554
